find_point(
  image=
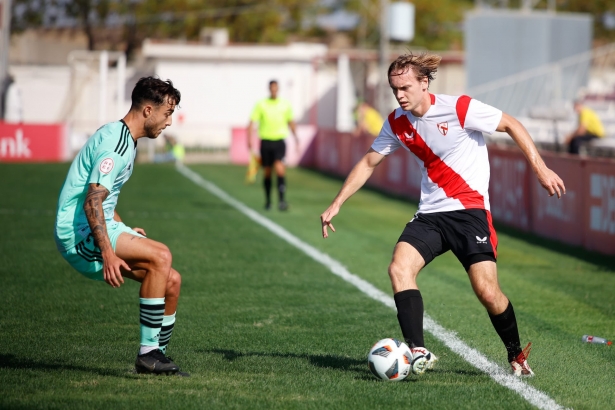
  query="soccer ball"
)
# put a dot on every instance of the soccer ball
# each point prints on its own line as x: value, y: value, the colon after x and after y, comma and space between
x: 390, y: 359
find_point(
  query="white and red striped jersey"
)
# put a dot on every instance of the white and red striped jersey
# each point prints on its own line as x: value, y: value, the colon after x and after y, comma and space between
x: 448, y: 144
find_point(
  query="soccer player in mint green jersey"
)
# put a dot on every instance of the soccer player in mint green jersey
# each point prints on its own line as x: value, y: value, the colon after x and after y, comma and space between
x: 274, y: 116
x: 93, y: 239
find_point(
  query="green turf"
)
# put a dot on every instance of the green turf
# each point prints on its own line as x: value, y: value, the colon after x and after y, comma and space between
x: 261, y: 325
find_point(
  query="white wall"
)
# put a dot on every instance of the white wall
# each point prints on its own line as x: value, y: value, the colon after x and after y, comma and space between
x: 43, y: 91
x: 217, y: 96
x: 221, y: 84
x: 219, y: 87
x: 61, y: 94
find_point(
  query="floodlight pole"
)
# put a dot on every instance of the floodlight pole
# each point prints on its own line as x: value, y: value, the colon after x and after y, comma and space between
x: 103, y: 71
x: 383, y: 58
x: 5, y: 36
x: 121, y: 83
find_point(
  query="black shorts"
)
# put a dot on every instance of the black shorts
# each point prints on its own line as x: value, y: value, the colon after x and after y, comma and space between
x: 469, y: 233
x: 272, y: 151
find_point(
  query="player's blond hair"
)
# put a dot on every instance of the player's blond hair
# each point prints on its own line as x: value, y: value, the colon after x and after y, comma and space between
x: 423, y: 65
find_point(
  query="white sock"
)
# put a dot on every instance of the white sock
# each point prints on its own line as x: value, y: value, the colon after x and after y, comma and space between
x: 146, y: 349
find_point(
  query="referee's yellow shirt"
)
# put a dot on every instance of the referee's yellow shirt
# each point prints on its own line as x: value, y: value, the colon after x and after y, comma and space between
x: 591, y: 122
x: 273, y: 117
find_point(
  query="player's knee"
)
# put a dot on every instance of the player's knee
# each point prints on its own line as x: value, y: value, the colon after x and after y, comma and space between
x: 396, y: 271
x: 162, y: 258
x: 489, y: 296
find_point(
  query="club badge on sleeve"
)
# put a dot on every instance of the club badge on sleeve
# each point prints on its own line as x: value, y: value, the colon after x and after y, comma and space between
x: 106, y: 165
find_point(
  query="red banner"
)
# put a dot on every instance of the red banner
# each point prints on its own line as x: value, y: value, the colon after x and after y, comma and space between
x: 294, y: 155
x: 509, y: 193
x: 561, y: 218
x: 585, y: 216
x: 33, y: 143
x: 600, y: 206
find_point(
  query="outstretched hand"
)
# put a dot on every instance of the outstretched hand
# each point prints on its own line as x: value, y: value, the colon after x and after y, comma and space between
x: 551, y: 182
x: 325, y: 220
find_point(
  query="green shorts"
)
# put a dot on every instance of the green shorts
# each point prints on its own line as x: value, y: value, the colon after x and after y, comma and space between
x: 86, y: 258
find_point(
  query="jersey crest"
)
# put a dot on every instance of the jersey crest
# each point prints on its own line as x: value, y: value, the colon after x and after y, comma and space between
x: 443, y: 127
x: 106, y: 165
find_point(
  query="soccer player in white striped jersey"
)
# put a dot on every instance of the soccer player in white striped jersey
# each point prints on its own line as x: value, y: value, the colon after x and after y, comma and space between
x: 91, y: 236
x: 444, y: 135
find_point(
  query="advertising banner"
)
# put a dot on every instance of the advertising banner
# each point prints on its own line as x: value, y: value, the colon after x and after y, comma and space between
x: 33, y: 142
x: 509, y: 188
x: 327, y: 152
x: 394, y: 175
x: 239, y: 145
x: 600, y: 206
x: 585, y: 216
x: 562, y: 218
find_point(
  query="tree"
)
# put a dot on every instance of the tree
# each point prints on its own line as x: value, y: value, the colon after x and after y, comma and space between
x: 597, y: 9
x: 251, y: 21
x: 87, y: 13
x: 437, y: 23
x: 67, y: 13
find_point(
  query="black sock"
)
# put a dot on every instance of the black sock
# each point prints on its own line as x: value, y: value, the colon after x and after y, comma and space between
x: 506, y: 325
x: 268, y: 189
x: 410, y: 316
x: 281, y: 187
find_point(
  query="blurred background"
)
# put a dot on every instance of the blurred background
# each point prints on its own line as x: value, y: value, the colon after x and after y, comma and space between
x: 74, y: 63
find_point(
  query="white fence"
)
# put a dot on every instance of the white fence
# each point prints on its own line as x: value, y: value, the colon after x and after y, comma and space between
x: 542, y: 97
x: 550, y: 86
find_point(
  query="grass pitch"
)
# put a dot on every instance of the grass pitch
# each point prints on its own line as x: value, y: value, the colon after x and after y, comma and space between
x: 260, y: 324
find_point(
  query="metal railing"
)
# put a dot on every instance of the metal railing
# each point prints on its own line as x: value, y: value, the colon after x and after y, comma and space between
x: 548, y: 86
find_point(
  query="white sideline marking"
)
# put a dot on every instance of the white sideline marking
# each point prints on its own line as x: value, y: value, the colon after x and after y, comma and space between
x: 449, y: 338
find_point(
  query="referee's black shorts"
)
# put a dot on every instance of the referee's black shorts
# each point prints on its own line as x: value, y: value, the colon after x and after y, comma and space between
x: 469, y: 233
x: 272, y: 151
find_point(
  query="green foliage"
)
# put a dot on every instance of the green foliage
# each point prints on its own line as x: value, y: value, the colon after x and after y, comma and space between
x: 437, y: 23
x: 27, y: 13
x: 597, y: 9
x: 247, y: 20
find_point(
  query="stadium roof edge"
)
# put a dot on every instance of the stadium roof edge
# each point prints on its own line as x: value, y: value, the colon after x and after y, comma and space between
x: 291, y: 52
x: 199, y: 51
x: 448, y: 57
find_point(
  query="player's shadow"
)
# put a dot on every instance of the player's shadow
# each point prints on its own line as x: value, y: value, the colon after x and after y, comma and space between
x: 10, y: 361
x: 324, y: 361
x: 347, y: 364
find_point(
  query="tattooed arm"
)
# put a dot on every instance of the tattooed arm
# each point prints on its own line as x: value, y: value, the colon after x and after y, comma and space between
x: 96, y: 219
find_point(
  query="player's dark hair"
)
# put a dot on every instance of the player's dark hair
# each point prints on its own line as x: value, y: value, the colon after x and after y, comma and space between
x: 154, y: 90
x: 272, y: 82
x: 424, y: 65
